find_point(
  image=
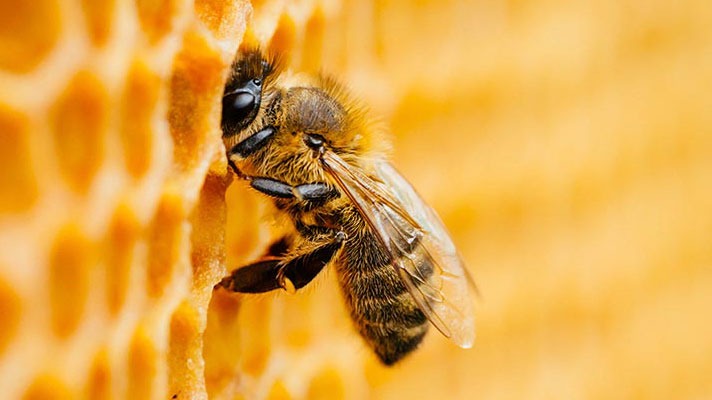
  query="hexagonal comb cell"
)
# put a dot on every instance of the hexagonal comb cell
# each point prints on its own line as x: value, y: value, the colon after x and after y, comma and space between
x: 29, y: 30
x: 143, y: 366
x: 119, y: 255
x: 167, y: 238
x: 158, y: 18
x: 10, y: 314
x: 139, y: 106
x: 79, y: 122
x: 70, y: 260
x: 99, y: 17
x: 18, y: 184
x: 100, y: 379
x: 47, y: 387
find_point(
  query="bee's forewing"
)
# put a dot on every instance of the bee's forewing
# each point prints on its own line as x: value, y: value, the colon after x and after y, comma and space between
x: 400, y: 218
x: 450, y: 275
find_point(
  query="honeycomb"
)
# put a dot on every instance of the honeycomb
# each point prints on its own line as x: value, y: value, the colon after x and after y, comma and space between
x: 568, y: 146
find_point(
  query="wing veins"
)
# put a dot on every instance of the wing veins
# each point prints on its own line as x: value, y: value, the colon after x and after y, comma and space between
x: 394, y: 226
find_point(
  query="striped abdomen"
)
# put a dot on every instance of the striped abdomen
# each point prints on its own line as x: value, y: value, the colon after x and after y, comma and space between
x: 383, y: 310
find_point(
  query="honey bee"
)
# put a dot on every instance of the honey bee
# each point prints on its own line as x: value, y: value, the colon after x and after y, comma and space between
x: 303, y: 141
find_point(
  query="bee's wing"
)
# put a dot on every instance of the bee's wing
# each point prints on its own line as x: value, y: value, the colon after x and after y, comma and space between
x: 401, y: 220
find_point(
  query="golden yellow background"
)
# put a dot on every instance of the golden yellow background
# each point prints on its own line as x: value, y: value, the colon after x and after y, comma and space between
x: 567, y: 146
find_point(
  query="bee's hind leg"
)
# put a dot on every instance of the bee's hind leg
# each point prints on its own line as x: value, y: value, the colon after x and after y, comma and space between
x: 302, y: 269
x: 289, y: 274
x: 279, y: 247
x: 258, y: 277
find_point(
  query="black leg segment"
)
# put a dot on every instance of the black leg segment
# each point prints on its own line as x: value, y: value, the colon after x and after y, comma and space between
x: 278, y: 248
x: 253, y: 143
x: 258, y: 277
x: 273, y: 188
x: 299, y: 271
x: 273, y: 273
x: 320, y: 192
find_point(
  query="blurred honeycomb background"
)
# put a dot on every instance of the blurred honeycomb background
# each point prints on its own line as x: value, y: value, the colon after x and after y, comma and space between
x: 567, y: 145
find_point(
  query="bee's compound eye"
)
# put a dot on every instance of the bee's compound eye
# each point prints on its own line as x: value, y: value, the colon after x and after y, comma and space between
x: 238, y: 106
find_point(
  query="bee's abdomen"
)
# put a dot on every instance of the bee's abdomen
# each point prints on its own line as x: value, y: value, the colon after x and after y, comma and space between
x: 390, y: 345
x: 384, y: 311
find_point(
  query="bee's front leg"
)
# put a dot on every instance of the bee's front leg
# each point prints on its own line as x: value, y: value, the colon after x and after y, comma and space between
x: 251, y: 144
x: 247, y: 147
x: 289, y: 274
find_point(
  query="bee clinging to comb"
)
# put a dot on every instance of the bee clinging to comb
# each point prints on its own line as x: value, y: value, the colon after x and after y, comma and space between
x: 305, y: 143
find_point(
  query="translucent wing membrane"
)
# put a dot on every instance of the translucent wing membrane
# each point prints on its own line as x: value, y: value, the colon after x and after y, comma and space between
x: 420, y: 248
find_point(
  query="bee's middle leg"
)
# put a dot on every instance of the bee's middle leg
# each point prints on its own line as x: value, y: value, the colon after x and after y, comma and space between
x: 289, y: 274
x: 300, y: 270
x: 311, y: 192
